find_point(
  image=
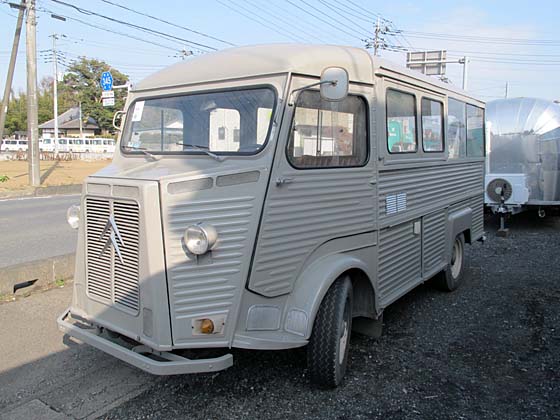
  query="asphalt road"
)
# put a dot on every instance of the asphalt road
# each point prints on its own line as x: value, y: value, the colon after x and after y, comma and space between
x: 35, y: 228
x: 490, y: 350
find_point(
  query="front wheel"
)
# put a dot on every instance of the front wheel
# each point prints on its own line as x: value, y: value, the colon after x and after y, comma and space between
x: 327, y: 351
x: 454, y: 273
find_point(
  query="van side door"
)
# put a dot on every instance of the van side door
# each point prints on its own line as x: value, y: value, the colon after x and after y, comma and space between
x: 321, y: 186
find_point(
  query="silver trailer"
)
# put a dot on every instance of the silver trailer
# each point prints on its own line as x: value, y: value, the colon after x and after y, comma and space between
x: 273, y: 197
x: 523, y: 155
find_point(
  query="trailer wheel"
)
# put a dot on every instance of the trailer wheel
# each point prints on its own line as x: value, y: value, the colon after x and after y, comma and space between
x: 453, y: 275
x: 327, y: 351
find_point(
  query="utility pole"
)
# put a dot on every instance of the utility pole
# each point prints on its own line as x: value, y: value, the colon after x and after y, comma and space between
x: 465, y: 62
x: 81, y: 121
x: 376, y: 38
x: 55, y: 92
x: 10, y: 76
x: 507, y: 89
x: 32, y: 103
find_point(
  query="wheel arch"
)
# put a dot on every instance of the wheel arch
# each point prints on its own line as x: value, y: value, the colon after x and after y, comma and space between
x: 458, y: 222
x: 313, y: 284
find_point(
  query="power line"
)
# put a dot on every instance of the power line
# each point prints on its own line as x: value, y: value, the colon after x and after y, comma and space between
x: 342, y: 13
x: 44, y: 10
x: 262, y: 21
x: 287, y: 22
x: 504, y: 54
x: 483, y: 39
x: 132, y: 25
x: 311, y: 24
x: 350, y: 12
x: 168, y: 22
x: 360, y: 9
x: 333, y: 19
x: 353, y: 35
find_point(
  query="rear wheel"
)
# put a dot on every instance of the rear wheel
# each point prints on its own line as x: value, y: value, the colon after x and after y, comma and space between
x: 454, y: 273
x: 327, y: 352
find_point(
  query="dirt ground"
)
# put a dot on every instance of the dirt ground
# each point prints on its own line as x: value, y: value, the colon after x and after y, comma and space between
x: 52, y: 173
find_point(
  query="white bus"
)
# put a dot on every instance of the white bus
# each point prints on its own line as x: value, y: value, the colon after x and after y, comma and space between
x: 77, y: 145
x: 13, y: 146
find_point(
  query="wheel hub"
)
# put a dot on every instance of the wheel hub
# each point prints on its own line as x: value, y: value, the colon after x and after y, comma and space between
x: 456, y: 258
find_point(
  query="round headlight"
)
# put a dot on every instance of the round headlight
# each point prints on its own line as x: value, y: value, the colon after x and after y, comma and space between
x: 200, y: 238
x: 73, y: 216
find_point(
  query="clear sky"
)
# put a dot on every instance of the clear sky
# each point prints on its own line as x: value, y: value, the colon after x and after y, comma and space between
x: 508, y: 41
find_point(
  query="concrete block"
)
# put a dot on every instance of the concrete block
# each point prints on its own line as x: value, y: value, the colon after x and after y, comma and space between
x: 44, y: 271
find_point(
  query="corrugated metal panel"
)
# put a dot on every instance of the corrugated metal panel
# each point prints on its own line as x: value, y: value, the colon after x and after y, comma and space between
x: 433, y: 240
x: 210, y: 284
x: 317, y: 206
x: 476, y: 204
x: 429, y: 185
x: 399, y: 260
x: 207, y: 286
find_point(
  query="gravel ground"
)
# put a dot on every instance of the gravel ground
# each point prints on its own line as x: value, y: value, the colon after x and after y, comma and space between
x: 490, y: 350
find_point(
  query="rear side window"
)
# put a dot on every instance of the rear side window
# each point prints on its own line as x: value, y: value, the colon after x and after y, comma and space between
x: 456, y: 128
x: 401, y: 122
x: 475, y: 131
x: 432, y: 125
x: 328, y: 134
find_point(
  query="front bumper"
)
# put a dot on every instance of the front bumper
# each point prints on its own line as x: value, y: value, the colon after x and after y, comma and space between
x: 172, y: 364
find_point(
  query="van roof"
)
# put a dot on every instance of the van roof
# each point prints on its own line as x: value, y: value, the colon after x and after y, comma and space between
x: 242, y: 62
x: 269, y: 59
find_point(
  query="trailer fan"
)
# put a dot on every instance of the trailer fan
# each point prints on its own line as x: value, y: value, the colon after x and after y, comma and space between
x: 498, y: 187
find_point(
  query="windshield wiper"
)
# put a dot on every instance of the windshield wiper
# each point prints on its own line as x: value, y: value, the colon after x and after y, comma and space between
x: 143, y: 150
x: 203, y: 149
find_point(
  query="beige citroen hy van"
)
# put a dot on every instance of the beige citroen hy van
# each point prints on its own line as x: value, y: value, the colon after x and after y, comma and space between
x: 273, y: 197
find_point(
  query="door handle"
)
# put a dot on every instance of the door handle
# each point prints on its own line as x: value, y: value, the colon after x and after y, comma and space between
x: 281, y: 181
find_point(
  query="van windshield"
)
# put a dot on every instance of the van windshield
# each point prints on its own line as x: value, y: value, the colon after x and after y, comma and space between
x: 225, y: 122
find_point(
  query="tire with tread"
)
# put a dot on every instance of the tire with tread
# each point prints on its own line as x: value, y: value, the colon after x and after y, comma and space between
x: 450, y: 278
x: 327, y: 351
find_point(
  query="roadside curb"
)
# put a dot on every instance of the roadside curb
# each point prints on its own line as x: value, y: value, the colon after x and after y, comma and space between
x: 43, y: 191
x: 45, y: 271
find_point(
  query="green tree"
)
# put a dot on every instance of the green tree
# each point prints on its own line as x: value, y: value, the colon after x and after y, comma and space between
x: 81, y: 84
x: 16, y: 118
x: 45, y: 99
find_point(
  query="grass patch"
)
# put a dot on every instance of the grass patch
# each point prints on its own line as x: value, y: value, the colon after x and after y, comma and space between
x: 52, y: 173
x: 4, y: 178
x: 59, y: 282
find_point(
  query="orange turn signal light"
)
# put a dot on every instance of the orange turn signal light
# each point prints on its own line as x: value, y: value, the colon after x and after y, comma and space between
x: 206, y: 326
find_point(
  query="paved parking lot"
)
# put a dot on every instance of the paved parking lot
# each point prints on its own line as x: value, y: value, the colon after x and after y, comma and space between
x: 490, y: 350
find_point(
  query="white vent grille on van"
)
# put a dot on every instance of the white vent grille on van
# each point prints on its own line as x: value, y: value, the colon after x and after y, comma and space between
x: 395, y: 203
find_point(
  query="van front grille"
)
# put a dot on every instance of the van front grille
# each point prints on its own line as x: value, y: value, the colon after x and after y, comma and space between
x: 112, y: 249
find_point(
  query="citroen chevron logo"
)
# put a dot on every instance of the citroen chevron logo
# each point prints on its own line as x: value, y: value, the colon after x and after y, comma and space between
x: 112, y: 239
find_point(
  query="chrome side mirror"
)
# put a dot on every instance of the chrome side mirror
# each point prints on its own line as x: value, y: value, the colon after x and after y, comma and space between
x: 118, y: 118
x: 334, y: 84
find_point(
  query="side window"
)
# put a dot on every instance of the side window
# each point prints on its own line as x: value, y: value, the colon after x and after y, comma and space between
x: 432, y: 125
x: 475, y: 131
x: 456, y: 128
x: 328, y: 134
x: 401, y: 122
